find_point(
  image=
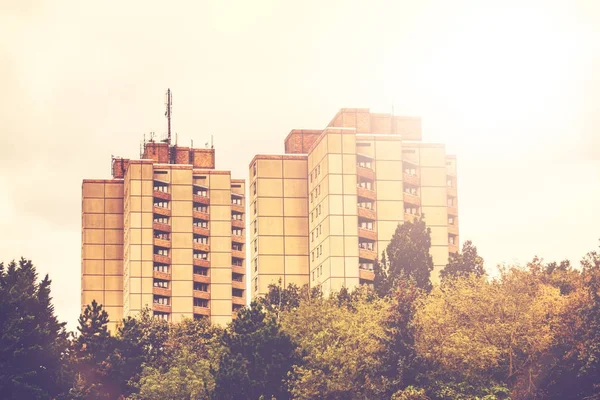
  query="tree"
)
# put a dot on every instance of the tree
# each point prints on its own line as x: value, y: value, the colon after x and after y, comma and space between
x: 406, y: 256
x: 465, y: 263
x: 32, y: 340
x: 257, y: 357
x: 478, y: 331
x: 279, y: 299
x: 342, y: 340
x: 91, y: 351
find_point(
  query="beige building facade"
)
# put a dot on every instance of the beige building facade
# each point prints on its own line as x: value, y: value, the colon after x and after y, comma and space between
x: 365, y: 173
x: 167, y: 233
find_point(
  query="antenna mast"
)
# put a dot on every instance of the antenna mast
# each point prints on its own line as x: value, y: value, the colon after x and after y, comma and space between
x: 169, y: 103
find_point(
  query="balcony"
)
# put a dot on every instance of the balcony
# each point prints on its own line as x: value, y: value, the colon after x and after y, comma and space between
x: 412, y: 199
x: 367, y: 234
x: 451, y: 191
x: 201, y: 278
x: 161, y: 259
x: 201, y: 231
x: 159, y: 226
x: 411, y: 179
x: 201, y: 199
x: 238, y: 223
x: 366, y: 275
x: 238, y: 239
x: 201, y: 295
x: 453, y: 230
x: 450, y: 172
x: 452, y: 248
x: 159, y: 291
x: 238, y: 270
x: 165, y: 276
x: 366, y: 213
x: 162, y: 243
x: 161, y: 195
x: 366, y: 193
x: 367, y: 254
x: 238, y: 285
x: 202, y: 247
x: 161, y: 211
x: 198, y: 262
x: 365, y: 173
x: 238, y: 208
x: 202, y: 311
x: 238, y: 254
x: 201, y: 215
x: 161, y: 307
x: 238, y: 300
x: 452, y: 210
x: 410, y: 217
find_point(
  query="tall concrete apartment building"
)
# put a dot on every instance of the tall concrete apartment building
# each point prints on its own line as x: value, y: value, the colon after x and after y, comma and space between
x: 323, y: 212
x: 166, y: 232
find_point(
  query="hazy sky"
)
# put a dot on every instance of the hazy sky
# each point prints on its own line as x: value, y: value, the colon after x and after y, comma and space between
x: 512, y: 88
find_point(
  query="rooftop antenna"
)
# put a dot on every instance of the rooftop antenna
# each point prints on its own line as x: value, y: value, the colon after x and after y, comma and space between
x: 169, y: 103
x: 211, y: 142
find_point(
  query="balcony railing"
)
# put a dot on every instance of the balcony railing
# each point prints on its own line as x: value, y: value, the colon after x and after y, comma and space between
x: 159, y: 258
x: 411, y: 179
x: 365, y: 172
x: 201, y: 278
x: 198, y: 262
x: 201, y: 295
x: 238, y: 285
x: 367, y: 234
x: 157, y: 194
x: 451, y: 191
x: 366, y: 213
x: 366, y: 275
x: 367, y: 254
x: 238, y: 254
x: 237, y: 223
x: 201, y: 215
x: 159, y: 226
x: 453, y: 229
x: 238, y: 208
x: 238, y: 269
x: 159, y: 291
x: 161, y: 307
x: 200, y: 199
x: 161, y: 211
x: 412, y: 199
x: 165, y: 276
x: 202, y: 247
x: 201, y: 231
x: 162, y: 243
x: 238, y: 239
x: 201, y: 310
x: 366, y: 193
x: 452, y: 210
x: 410, y: 217
x: 238, y: 300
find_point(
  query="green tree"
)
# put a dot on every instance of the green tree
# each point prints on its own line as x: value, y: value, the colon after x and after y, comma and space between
x: 341, y: 340
x: 32, y: 340
x: 406, y: 256
x: 464, y: 263
x: 478, y: 331
x: 91, y: 350
x: 257, y: 357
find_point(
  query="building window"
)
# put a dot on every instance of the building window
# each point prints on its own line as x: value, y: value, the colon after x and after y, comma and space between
x: 254, y: 169
x: 451, y: 240
x: 365, y: 224
x: 200, y: 223
x: 237, y: 262
x: 236, y: 200
x: 161, y: 235
x: 254, y: 188
x: 161, y: 300
x: 201, y: 303
x: 161, y: 187
x: 365, y: 184
x: 256, y: 265
x: 200, y: 255
x: 161, y: 220
x: 203, y: 209
x: 201, y: 287
x: 255, y: 207
x: 364, y: 162
x: 161, y: 268
x: 237, y: 292
x: 161, y: 284
x: 412, y: 190
x: 161, y: 252
x: 200, y: 271
x: 366, y: 266
x: 255, y: 226
x: 319, y: 169
x: 201, y: 192
x: 237, y: 246
x: 161, y: 203
x: 237, y: 216
x: 256, y: 245
x: 450, y: 220
x: 237, y: 231
x: 449, y: 183
x: 200, y: 239
x: 366, y: 245
x: 160, y: 315
x: 411, y: 210
x: 450, y: 202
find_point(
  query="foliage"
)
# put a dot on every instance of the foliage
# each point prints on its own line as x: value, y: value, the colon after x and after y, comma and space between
x: 280, y: 299
x: 465, y: 263
x: 32, y: 339
x: 256, y: 359
x: 341, y: 339
x: 406, y: 256
x: 475, y: 329
x: 410, y: 393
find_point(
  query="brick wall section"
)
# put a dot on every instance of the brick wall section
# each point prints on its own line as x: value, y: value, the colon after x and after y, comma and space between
x: 299, y: 141
x: 204, y: 158
x: 119, y: 166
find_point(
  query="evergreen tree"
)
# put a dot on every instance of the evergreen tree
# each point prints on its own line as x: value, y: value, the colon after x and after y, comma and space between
x: 406, y: 257
x: 91, y: 355
x: 465, y: 263
x: 257, y: 358
x: 32, y: 340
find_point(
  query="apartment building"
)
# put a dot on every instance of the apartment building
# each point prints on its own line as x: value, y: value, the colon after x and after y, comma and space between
x: 363, y: 175
x: 167, y: 232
